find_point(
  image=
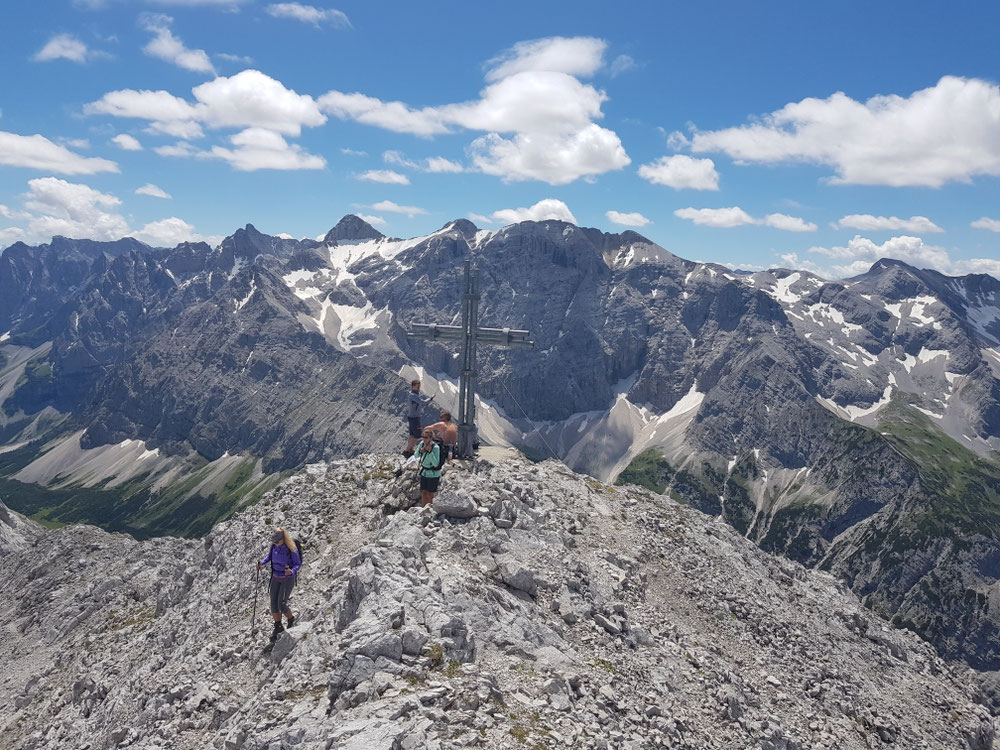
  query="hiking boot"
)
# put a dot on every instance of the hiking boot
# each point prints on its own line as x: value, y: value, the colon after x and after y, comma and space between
x: 291, y: 621
x: 277, y: 630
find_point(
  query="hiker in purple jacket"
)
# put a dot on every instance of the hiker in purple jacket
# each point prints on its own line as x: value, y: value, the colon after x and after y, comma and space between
x: 285, y: 564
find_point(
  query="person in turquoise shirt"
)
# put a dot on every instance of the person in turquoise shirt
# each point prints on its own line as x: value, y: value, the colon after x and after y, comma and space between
x: 429, y: 455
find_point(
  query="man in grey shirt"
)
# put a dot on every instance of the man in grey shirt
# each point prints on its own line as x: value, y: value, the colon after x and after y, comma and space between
x: 416, y: 403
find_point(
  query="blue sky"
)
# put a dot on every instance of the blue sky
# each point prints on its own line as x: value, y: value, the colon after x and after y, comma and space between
x: 751, y: 134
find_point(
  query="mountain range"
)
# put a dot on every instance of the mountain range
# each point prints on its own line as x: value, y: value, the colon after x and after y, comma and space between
x: 850, y: 425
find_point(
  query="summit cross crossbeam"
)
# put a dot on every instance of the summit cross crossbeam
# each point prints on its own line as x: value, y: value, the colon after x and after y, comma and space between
x: 471, y: 335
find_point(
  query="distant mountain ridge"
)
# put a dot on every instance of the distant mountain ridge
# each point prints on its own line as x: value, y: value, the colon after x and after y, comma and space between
x: 849, y: 424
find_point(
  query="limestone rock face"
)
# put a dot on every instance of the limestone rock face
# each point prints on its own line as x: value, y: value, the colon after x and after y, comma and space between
x: 17, y: 534
x: 600, y: 618
x: 455, y: 505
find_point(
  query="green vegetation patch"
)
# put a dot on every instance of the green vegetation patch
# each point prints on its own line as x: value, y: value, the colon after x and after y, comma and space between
x: 535, y: 455
x: 650, y: 470
x: 132, y: 507
x: 965, y: 487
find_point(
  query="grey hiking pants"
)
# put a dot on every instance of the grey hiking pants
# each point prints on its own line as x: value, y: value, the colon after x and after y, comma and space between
x: 281, y: 592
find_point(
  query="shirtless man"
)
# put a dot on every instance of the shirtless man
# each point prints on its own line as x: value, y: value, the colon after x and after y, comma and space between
x: 447, y: 432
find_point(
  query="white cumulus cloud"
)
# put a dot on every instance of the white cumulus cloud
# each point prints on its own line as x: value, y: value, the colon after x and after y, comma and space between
x: 309, y: 14
x: 72, y: 210
x: 681, y: 172
x: 574, y: 56
x: 385, y: 176
x: 394, y: 116
x: 734, y: 216
x: 38, y: 152
x: 160, y: 106
x: 787, y: 223
x: 225, y: 4
x: 170, y: 232
x: 127, y: 142
x: 537, y: 117
x: 152, y: 190
x: 992, y: 225
x: 375, y: 221
x: 869, y: 223
x: 860, y: 253
x: 621, y: 64
x: 252, y: 99
x: 185, y: 129
x: 439, y: 164
x: 165, y: 46
x: 64, y: 47
x: 261, y: 107
x: 180, y: 150
x: 254, y: 148
x: 229, y: 57
x: 53, y: 206
x: 554, y: 158
x: 258, y: 148
x: 395, y: 208
x: 944, y: 133
x: 547, y: 208
x: 436, y: 164
x: 627, y: 219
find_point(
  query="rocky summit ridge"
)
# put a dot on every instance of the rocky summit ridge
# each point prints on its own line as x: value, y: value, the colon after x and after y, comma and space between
x: 531, y: 607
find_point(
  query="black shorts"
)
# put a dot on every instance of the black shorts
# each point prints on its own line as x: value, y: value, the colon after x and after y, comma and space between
x: 429, y: 484
x: 414, y: 423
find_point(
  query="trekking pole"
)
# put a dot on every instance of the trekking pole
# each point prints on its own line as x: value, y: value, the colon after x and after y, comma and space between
x: 256, y: 587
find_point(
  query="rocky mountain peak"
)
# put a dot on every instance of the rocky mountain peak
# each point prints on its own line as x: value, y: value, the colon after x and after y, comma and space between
x: 527, y: 607
x: 885, y: 264
x: 352, y: 227
x: 893, y: 279
x: 463, y: 226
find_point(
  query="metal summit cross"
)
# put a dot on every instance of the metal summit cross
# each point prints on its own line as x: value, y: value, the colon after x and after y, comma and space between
x: 471, y: 335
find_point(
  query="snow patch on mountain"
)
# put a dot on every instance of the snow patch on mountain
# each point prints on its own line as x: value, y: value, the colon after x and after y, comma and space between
x: 339, y: 324
x: 238, y: 265
x: 481, y: 238
x: 253, y: 288
x: 782, y: 289
x: 822, y: 312
x: 924, y: 356
x: 854, y: 413
x: 983, y: 316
